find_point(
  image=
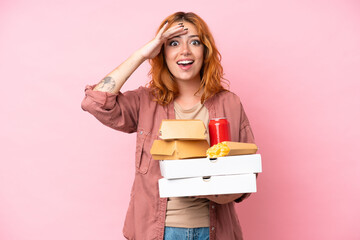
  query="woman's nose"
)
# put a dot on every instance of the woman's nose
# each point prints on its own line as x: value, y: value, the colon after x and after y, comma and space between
x: 185, y: 49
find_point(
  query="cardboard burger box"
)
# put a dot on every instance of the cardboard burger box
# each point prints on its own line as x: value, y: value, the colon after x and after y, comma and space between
x: 197, y: 186
x: 178, y: 149
x: 182, y: 129
x: 181, y: 139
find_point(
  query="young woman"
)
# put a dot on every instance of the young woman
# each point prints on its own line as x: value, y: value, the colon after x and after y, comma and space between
x: 186, y: 83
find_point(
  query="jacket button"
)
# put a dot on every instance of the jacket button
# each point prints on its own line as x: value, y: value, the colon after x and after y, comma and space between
x: 213, y: 228
x: 212, y: 206
x: 141, y: 132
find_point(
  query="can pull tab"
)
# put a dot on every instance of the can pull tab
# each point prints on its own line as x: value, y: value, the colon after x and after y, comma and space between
x: 206, y: 178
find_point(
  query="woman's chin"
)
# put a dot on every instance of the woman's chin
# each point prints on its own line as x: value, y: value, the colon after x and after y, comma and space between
x: 187, y: 78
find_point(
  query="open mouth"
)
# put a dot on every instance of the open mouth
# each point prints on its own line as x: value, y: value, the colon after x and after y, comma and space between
x: 185, y: 62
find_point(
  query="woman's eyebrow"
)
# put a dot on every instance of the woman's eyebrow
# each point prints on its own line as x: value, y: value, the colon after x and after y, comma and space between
x: 174, y: 37
x: 190, y: 36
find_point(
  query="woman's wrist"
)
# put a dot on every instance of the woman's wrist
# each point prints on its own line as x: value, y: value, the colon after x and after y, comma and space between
x: 139, y: 55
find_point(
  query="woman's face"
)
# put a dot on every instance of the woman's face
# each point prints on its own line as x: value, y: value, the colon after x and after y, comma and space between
x: 184, y: 54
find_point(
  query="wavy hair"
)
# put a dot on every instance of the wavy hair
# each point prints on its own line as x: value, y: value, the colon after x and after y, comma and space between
x: 162, y: 84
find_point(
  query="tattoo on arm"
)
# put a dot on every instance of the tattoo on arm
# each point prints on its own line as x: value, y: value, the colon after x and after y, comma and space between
x: 107, y: 84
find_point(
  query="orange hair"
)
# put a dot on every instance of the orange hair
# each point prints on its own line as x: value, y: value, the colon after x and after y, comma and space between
x: 162, y: 85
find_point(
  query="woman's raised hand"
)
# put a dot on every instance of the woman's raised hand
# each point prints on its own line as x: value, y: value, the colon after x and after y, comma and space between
x: 116, y: 79
x: 152, y: 48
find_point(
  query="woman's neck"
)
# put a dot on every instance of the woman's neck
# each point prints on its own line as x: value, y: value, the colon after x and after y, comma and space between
x: 187, y: 97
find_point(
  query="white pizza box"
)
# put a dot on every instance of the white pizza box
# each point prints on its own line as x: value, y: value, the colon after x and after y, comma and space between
x: 198, y: 167
x: 197, y: 186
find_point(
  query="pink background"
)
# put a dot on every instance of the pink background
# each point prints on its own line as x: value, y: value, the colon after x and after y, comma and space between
x: 295, y: 65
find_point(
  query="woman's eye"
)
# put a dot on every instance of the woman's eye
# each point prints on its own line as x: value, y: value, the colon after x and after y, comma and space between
x: 173, y: 43
x: 195, y: 42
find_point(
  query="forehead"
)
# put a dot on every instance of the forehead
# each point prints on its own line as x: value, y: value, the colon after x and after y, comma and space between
x: 191, y: 27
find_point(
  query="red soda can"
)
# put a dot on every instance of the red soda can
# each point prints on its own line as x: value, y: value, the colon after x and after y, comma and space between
x: 219, y: 130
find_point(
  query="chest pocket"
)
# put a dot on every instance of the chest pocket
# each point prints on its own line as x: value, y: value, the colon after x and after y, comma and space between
x: 142, y: 155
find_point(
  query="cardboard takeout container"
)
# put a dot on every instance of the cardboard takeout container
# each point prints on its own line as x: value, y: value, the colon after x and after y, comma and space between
x: 182, y: 129
x: 181, y: 139
x: 178, y: 149
x: 239, y: 148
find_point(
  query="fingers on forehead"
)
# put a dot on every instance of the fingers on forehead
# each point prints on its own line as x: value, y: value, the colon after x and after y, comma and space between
x: 175, y: 30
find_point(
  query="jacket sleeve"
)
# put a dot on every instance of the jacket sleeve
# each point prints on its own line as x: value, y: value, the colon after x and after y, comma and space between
x: 247, y: 136
x: 119, y: 111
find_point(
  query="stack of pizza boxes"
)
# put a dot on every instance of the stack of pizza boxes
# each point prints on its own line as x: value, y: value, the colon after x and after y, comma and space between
x: 186, y: 169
